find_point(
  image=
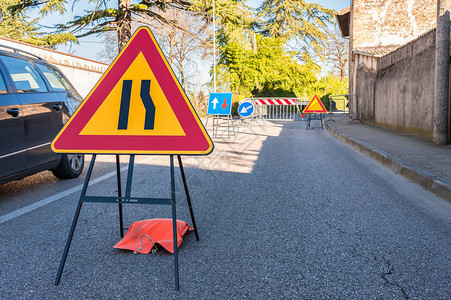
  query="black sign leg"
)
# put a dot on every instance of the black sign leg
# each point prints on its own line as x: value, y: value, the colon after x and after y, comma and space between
x: 128, y: 187
x: 174, y: 225
x: 74, y: 222
x: 188, y: 199
x: 119, y: 194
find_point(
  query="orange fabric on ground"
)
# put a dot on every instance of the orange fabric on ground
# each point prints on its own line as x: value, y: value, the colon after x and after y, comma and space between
x: 159, y: 230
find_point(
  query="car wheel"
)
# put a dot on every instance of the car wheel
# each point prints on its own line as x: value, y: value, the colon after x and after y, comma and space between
x: 71, y: 166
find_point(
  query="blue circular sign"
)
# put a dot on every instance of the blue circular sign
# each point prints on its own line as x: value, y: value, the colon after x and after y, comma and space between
x: 246, y: 109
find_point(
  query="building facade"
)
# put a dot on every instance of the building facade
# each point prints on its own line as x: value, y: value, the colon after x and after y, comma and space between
x: 392, y: 55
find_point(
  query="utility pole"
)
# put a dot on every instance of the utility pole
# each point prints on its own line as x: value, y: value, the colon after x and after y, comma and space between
x: 214, y: 48
x: 441, y: 95
x: 324, y: 70
x: 326, y: 47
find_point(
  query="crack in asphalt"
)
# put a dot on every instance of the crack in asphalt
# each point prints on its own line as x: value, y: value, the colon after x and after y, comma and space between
x: 386, y: 275
x: 392, y: 282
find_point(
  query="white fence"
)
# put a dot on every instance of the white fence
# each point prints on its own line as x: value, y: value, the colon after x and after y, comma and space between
x: 83, y: 73
x: 277, y: 108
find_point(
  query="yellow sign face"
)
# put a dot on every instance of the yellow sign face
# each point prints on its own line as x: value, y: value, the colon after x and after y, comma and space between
x: 315, y: 106
x: 105, y: 120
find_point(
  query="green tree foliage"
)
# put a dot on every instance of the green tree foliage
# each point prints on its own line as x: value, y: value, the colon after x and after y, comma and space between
x: 336, y: 85
x: 304, y: 24
x: 234, y: 20
x: 253, y: 64
x: 253, y: 56
x: 265, y: 71
x: 105, y: 16
x: 17, y: 26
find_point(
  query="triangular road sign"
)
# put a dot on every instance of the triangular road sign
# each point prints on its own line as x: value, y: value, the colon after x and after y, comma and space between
x: 137, y: 107
x: 314, y: 106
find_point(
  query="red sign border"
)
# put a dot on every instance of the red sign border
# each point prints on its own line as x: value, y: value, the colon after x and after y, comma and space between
x: 307, y: 111
x: 196, y: 141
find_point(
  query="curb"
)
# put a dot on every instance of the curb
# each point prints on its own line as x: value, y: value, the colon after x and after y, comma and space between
x: 427, y: 180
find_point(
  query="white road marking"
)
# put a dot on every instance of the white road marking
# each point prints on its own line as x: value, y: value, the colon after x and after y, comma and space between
x: 21, y: 211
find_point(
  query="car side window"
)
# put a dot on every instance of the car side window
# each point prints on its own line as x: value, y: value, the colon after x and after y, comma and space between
x: 3, y: 89
x: 55, y: 78
x: 24, y: 75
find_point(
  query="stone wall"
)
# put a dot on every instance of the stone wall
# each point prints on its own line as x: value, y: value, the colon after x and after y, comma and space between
x: 83, y: 73
x: 382, y: 25
x: 365, y: 71
x: 390, y: 22
x: 404, y: 91
x: 397, y: 90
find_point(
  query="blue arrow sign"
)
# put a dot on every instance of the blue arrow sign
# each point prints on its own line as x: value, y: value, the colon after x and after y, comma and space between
x: 220, y: 104
x: 246, y: 109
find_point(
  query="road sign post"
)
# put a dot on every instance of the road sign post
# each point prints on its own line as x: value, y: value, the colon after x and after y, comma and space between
x: 137, y: 107
x: 315, y: 109
x: 129, y: 199
x: 246, y: 111
x: 220, y: 106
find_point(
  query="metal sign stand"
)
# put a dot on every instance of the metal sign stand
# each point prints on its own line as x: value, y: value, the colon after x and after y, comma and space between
x: 355, y: 117
x: 230, y: 123
x: 247, y: 121
x: 216, y: 119
x: 314, y: 117
x: 128, y: 199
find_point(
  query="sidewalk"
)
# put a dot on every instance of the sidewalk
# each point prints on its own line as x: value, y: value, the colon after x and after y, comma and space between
x: 415, y: 158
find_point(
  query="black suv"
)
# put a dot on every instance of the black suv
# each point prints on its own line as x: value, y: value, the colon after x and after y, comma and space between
x: 35, y: 102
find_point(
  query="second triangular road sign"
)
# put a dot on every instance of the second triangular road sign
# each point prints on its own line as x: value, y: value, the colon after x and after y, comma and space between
x: 314, y: 106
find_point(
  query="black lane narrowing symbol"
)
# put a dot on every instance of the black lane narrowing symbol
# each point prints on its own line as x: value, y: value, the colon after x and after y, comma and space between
x: 145, y: 98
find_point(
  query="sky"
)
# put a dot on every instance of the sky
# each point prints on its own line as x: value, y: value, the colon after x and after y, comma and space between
x: 89, y: 47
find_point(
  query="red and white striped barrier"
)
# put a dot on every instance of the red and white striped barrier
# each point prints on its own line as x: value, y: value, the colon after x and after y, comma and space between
x: 275, y: 101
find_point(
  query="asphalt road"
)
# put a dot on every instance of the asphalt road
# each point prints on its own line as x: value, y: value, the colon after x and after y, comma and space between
x: 282, y: 212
